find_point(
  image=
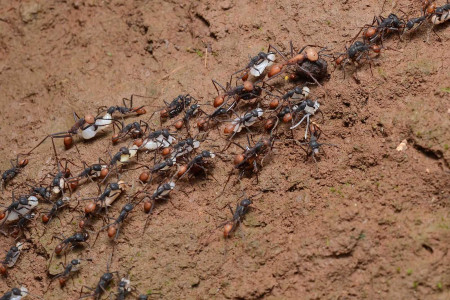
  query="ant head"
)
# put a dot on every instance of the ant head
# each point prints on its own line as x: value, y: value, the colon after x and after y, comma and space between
x: 246, y: 202
x: 23, y: 200
x: 124, y: 150
x: 111, y: 110
x: 75, y: 262
x: 107, y: 277
x: 128, y: 207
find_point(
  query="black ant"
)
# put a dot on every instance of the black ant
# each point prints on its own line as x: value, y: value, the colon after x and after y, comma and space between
x: 11, y: 173
x: 16, y: 294
x: 91, y: 172
x: 74, y: 240
x: 102, y: 285
x: 313, y: 144
x: 161, y: 192
x: 355, y: 53
x: 157, y: 139
x: 21, y: 225
x: 249, y: 159
x: 205, y: 123
x: 191, y: 112
x: 245, y: 91
x: 175, y: 107
x: 89, y: 127
x: 72, y: 267
x: 197, y: 162
x: 135, y: 129
x: 238, y: 214
x: 257, y: 64
x: 124, y: 110
x: 307, y: 63
x: 184, y: 147
x: 104, y: 200
x: 245, y: 121
x: 114, y: 227
x: 441, y: 14
x: 57, y: 206
x: 381, y: 27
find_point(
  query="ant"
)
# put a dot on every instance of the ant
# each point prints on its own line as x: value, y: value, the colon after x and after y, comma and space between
x: 381, y: 27
x: 245, y: 91
x: 191, y: 112
x: 114, y: 227
x: 89, y: 127
x: 11, y: 258
x: 285, y: 112
x: 244, y: 121
x: 204, y: 123
x: 124, y: 110
x: 103, y: 283
x: 72, y: 267
x: 313, y: 144
x: 57, y: 206
x: 106, y: 198
x: 21, y: 207
x: 11, y: 173
x: 76, y: 239
x: 257, y: 64
x: 134, y: 129
x: 175, y: 107
x: 197, y: 162
x: 249, y: 159
x: 355, y: 53
x: 184, y: 147
x: 307, y: 63
x: 161, y: 192
x: 309, y: 108
x: 242, y: 208
x: 163, y: 166
x: 90, y: 172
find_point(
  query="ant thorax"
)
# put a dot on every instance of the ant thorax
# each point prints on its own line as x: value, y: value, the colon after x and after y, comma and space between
x: 258, y: 69
x: 312, y: 109
x: 22, y: 209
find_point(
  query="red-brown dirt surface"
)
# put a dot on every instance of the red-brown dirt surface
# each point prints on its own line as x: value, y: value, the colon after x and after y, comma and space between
x: 366, y: 222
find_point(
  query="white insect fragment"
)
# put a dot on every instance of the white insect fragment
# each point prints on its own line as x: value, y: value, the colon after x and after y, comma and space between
x: 258, y: 69
x: 402, y: 146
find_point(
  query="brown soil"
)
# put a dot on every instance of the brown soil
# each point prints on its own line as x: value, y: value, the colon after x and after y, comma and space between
x: 365, y: 222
